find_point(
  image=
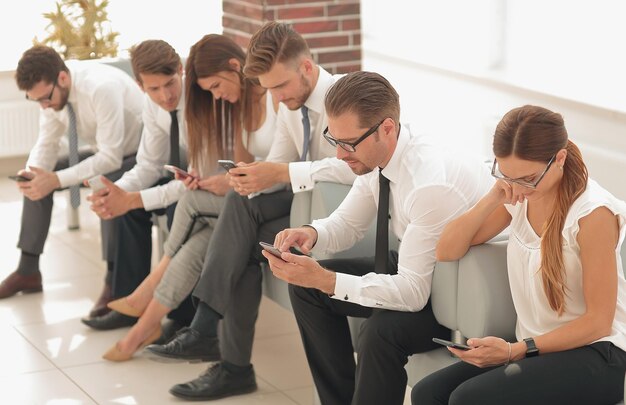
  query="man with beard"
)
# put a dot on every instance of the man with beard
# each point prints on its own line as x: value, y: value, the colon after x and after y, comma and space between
x: 407, y: 184
x: 98, y: 104
x: 230, y: 285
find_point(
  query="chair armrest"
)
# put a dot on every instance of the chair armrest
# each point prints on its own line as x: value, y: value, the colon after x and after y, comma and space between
x: 484, y: 304
x: 444, y: 293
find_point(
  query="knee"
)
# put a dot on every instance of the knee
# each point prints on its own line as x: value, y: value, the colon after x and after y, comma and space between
x: 298, y: 296
x: 424, y: 394
x: 469, y: 393
x: 376, y: 332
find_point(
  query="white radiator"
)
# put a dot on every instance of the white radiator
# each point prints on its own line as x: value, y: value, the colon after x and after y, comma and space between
x: 19, y: 126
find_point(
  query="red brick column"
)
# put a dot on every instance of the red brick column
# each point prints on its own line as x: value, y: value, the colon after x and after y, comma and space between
x: 332, y: 28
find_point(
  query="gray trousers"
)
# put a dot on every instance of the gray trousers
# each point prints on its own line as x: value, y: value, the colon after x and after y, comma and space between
x: 36, y: 215
x: 231, y: 276
x: 194, y: 219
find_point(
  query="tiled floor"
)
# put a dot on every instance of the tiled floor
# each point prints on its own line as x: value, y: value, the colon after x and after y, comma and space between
x: 47, y: 356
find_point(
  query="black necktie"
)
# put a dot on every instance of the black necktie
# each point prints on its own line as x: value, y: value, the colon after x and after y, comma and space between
x: 174, y: 147
x: 382, y: 225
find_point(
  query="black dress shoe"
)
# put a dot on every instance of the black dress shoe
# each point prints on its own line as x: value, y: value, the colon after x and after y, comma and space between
x: 188, y: 345
x: 100, y: 307
x: 216, y: 382
x: 168, y: 331
x: 112, y: 320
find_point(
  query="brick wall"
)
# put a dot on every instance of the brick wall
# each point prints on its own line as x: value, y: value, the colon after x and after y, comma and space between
x: 332, y: 28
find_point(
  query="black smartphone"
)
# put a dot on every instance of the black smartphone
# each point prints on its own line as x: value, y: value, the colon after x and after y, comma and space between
x: 451, y: 344
x: 227, y: 164
x: 17, y: 177
x: 271, y: 249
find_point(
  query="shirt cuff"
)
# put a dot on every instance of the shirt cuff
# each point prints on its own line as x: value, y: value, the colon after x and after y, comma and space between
x: 300, y: 175
x: 346, y: 287
x: 67, y: 177
x: 322, y: 239
x: 150, y: 199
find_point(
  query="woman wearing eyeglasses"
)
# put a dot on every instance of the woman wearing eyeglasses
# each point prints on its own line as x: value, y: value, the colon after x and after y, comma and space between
x: 565, y: 275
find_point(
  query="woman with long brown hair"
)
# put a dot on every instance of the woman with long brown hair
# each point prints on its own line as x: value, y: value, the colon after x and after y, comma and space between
x: 565, y: 275
x: 228, y: 116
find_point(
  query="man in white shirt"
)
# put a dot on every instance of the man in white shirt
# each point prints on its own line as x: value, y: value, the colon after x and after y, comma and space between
x: 402, y: 180
x: 147, y: 188
x: 230, y: 285
x: 98, y: 104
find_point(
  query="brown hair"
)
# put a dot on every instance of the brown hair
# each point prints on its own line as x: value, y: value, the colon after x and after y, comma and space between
x: 212, y: 124
x: 154, y: 56
x: 368, y: 95
x: 37, y: 64
x: 272, y: 43
x: 537, y: 134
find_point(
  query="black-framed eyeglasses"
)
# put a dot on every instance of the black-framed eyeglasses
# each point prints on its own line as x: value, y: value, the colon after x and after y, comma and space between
x: 495, y: 172
x: 350, y: 146
x: 47, y: 99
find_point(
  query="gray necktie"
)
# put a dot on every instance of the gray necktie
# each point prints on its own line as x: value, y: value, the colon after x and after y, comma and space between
x: 306, y: 125
x: 72, y: 136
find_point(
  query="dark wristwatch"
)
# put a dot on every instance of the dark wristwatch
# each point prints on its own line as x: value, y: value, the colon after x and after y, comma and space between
x: 531, y: 348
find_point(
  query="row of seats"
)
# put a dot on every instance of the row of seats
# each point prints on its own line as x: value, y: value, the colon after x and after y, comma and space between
x: 470, y: 296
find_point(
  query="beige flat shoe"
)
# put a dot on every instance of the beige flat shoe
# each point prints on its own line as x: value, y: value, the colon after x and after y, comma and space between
x: 122, y: 306
x: 115, y: 354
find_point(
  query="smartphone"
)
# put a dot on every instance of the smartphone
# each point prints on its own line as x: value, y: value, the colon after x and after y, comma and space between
x: 271, y: 249
x: 227, y: 164
x: 451, y: 344
x: 181, y: 173
x: 19, y: 178
x: 95, y: 183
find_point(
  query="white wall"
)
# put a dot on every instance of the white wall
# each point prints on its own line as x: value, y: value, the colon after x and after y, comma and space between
x: 460, y: 107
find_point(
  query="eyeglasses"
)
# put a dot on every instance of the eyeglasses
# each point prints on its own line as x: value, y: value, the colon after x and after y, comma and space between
x: 495, y: 172
x: 350, y: 146
x: 44, y: 100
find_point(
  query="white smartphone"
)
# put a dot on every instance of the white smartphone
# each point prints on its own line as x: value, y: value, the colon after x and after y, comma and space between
x: 227, y: 164
x: 181, y: 173
x: 95, y: 183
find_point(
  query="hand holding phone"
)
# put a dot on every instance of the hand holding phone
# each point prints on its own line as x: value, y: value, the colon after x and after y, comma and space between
x: 227, y: 164
x: 451, y: 344
x: 176, y: 170
x: 19, y: 178
x: 270, y: 248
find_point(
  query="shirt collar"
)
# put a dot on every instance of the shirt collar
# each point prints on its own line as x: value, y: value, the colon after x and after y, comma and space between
x: 392, y: 170
x: 73, y: 96
x: 315, y: 102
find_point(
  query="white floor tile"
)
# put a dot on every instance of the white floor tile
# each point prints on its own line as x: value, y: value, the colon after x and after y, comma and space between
x: 143, y: 381
x: 48, y: 387
x: 61, y: 300
x: 302, y: 396
x: 281, y: 362
x: 274, y: 320
x: 19, y: 356
x: 70, y: 343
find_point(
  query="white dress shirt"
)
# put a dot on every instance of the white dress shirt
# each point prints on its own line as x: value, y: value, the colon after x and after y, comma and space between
x: 289, y: 138
x: 153, y: 153
x: 534, y: 315
x: 108, y: 104
x: 428, y: 188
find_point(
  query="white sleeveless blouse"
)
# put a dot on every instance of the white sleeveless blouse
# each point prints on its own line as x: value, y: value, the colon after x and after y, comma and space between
x: 534, y: 315
x: 261, y: 139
